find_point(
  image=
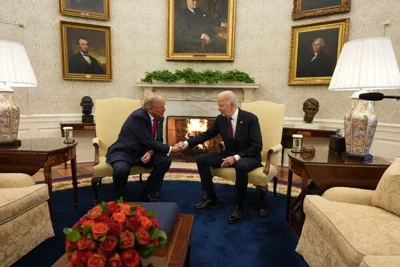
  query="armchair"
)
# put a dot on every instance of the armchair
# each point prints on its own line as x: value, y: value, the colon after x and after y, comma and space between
x: 24, y: 216
x: 111, y: 114
x: 271, y: 117
x: 354, y: 227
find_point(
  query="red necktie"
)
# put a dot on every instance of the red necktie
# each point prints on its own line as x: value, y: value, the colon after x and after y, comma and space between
x: 153, y: 130
x: 230, y: 129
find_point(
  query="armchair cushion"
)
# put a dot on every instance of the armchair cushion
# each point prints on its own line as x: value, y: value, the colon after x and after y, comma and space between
x: 14, y: 180
x: 386, y: 195
x: 256, y: 176
x: 15, y: 201
x: 104, y: 169
x: 349, y: 195
x: 350, y: 229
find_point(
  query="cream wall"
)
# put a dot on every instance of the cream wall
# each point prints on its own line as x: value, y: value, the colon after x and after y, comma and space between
x: 138, y: 38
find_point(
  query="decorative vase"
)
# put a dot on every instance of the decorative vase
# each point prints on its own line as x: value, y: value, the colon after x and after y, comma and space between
x: 9, y: 118
x: 359, y: 127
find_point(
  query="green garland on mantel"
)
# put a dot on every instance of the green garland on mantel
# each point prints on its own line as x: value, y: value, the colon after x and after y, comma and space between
x: 191, y: 76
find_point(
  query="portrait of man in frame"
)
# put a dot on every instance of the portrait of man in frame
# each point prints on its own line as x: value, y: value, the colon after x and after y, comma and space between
x: 201, y: 29
x: 315, y: 49
x: 85, y: 51
x: 314, y: 8
x: 95, y: 9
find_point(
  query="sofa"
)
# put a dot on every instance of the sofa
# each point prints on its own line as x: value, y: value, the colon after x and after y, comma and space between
x: 354, y: 227
x: 24, y: 216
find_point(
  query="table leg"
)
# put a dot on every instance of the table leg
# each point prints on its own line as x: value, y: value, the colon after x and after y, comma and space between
x: 49, y: 181
x: 289, y: 192
x: 74, y: 180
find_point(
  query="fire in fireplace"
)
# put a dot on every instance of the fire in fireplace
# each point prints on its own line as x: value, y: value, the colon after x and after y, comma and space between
x: 180, y: 128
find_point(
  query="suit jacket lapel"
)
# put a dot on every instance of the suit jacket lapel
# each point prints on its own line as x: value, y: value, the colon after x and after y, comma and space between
x: 239, y: 123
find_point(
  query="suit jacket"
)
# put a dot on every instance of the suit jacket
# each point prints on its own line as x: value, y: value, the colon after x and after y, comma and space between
x: 135, y: 139
x: 78, y: 64
x: 194, y: 24
x: 247, y: 141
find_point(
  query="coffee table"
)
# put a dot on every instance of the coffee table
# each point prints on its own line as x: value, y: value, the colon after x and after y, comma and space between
x: 178, y: 248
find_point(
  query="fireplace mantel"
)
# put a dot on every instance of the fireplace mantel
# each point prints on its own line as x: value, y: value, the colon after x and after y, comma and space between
x: 199, y: 92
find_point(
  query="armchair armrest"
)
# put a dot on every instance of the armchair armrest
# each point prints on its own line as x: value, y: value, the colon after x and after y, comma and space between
x: 272, y: 151
x: 349, y: 195
x: 96, y: 143
x: 15, y: 180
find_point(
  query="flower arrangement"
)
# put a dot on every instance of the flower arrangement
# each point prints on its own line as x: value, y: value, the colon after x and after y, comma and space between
x: 114, y: 234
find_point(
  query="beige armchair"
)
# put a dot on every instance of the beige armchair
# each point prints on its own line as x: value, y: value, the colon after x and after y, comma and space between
x: 110, y: 116
x: 24, y: 216
x: 354, y: 227
x: 270, y: 116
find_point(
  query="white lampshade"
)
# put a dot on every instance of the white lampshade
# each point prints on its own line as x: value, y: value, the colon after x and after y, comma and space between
x: 366, y: 64
x: 15, y: 68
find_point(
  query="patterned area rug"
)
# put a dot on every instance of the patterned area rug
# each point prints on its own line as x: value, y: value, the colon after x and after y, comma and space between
x: 172, y: 175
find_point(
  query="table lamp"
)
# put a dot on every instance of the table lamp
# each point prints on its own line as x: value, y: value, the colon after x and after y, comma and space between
x: 364, y: 64
x: 15, y: 71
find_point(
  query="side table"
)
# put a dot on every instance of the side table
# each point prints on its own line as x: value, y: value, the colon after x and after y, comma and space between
x: 36, y: 153
x: 328, y: 169
x: 287, y: 140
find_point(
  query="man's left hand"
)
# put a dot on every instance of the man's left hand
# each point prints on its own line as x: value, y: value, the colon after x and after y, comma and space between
x: 228, y: 162
x: 146, y: 157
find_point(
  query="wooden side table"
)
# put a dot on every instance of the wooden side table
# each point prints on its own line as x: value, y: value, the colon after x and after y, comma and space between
x: 77, y: 126
x: 287, y: 140
x: 328, y: 169
x: 36, y: 153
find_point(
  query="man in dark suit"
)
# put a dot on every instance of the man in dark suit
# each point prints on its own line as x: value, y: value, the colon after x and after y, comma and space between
x: 241, y: 133
x: 82, y: 62
x: 140, y: 142
x: 319, y: 63
x: 197, y: 30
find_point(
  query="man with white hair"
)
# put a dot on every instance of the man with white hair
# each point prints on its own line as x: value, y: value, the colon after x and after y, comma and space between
x: 241, y: 133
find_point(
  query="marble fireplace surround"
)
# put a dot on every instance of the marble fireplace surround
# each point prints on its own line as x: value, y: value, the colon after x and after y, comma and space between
x: 196, y: 100
x: 184, y: 99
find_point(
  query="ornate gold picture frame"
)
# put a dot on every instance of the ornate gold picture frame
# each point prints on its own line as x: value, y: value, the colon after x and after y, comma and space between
x: 86, y: 51
x: 315, y: 49
x: 94, y: 9
x: 203, y: 30
x: 314, y: 8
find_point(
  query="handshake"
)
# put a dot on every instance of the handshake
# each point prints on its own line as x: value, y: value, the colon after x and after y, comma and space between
x: 178, y: 147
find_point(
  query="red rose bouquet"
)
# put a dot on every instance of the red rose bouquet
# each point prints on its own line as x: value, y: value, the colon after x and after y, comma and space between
x: 113, y: 234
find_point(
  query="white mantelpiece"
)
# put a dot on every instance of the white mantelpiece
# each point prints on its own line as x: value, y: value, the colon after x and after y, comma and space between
x: 199, y: 92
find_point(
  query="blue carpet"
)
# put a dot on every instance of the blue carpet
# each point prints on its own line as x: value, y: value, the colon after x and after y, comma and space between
x: 255, y: 242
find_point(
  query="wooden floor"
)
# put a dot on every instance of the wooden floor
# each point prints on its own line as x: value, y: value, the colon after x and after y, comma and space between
x: 87, y: 168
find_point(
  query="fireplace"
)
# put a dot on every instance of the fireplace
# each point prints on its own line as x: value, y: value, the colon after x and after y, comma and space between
x: 180, y: 128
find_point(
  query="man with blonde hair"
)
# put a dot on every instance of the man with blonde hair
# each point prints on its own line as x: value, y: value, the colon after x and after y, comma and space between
x: 241, y: 133
x: 140, y: 142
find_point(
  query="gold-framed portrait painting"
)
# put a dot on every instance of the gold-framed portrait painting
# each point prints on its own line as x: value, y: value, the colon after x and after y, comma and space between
x: 314, y: 8
x: 201, y: 30
x: 315, y: 49
x: 94, y: 9
x: 86, y: 51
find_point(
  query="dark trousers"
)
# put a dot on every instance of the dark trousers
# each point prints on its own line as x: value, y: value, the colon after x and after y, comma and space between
x: 242, y: 168
x: 121, y: 170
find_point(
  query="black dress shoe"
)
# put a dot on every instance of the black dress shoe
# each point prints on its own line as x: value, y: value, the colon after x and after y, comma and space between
x: 157, y: 195
x: 150, y: 198
x: 207, y: 203
x: 236, y: 216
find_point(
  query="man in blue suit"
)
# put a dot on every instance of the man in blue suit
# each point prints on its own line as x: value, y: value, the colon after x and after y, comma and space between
x: 140, y: 142
x: 241, y: 133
